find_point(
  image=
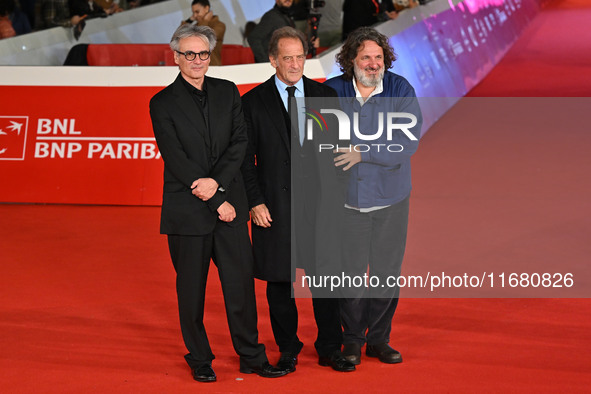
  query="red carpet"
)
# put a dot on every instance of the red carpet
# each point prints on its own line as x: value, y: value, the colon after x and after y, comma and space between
x: 88, y: 302
x: 552, y: 58
x: 88, y: 305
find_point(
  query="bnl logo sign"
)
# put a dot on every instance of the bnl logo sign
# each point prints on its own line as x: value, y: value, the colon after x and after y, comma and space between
x: 13, y: 135
x: 389, y: 123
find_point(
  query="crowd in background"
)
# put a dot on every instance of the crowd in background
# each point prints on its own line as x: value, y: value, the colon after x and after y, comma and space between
x: 24, y: 16
x: 326, y: 23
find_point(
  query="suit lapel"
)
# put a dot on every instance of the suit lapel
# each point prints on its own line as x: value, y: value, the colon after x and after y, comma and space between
x: 214, y: 103
x: 274, y: 107
x: 186, y: 105
x: 309, y: 91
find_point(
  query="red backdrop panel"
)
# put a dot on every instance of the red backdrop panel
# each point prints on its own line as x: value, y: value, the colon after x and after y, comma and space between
x: 80, y: 145
x: 84, y: 145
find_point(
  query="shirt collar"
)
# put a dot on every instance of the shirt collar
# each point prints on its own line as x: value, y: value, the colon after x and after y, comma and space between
x: 379, y: 89
x: 281, y: 86
x: 192, y: 89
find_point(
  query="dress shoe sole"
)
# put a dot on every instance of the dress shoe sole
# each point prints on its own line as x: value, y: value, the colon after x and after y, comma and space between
x: 205, y: 380
x: 288, y: 370
x: 328, y: 364
x: 383, y: 359
x: 251, y: 371
x: 207, y: 375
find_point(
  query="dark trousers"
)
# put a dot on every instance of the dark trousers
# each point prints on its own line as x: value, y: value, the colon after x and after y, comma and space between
x: 229, y: 247
x: 376, y: 239
x: 284, y: 320
x: 282, y: 306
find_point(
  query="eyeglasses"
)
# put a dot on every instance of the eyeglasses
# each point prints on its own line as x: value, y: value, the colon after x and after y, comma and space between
x: 190, y: 55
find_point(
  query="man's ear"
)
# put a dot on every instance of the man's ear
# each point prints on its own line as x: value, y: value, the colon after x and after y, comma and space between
x: 273, y: 61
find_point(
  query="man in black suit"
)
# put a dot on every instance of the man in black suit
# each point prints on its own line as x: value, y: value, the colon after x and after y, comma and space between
x: 267, y: 172
x: 200, y: 131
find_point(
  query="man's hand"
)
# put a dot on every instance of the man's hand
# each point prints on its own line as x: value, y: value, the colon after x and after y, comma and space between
x: 349, y: 157
x: 204, y: 188
x: 227, y: 212
x: 260, y: 216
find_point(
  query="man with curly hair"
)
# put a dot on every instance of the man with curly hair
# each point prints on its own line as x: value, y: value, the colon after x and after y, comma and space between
x: 377, y: 202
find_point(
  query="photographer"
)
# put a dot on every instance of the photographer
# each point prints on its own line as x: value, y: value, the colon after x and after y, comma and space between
x: 330, y: 30
x: 281, y: 15
x: 277, y: 17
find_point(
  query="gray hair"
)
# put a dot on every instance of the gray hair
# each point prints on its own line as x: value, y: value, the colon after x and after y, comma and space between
x: 355, y: 40
x: 286, y: 32
x: 206, y: 33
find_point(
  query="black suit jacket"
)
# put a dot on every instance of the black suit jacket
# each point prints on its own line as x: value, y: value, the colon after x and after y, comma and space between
x: 267, y: 177
x: 189, y: 154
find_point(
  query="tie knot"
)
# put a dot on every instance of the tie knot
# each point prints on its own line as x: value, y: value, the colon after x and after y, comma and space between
x: 290, y: 91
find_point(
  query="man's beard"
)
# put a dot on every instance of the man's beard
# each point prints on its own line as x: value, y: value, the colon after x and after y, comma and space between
x: 368, y: 80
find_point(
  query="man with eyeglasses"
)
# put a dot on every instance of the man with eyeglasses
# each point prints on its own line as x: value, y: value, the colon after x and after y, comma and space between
x: 201, y: 134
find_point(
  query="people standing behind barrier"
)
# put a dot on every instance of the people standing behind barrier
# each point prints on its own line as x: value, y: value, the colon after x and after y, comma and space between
x: 377, y: 205
x: 331, y: 23
x: 300, y: 9
x: 400, y: 5
x: 113, y: 5
x: 201, y: 15
x: 11, y: 15
x: 28, y: 8
x: 6, y: 29
x: 359, y: 13
x: 138, y: 3
x: 248, y: 28
x: 56, y: 13
x: 88, y: 9
x: 277, y: 17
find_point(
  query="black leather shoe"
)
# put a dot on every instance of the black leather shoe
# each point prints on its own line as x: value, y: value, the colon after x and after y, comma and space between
x: 352, y: 353
x: 384, y: 353
x: 204, y: 373
x: 265, y: 370
x: 337, y: 362
x: 287, y: 362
